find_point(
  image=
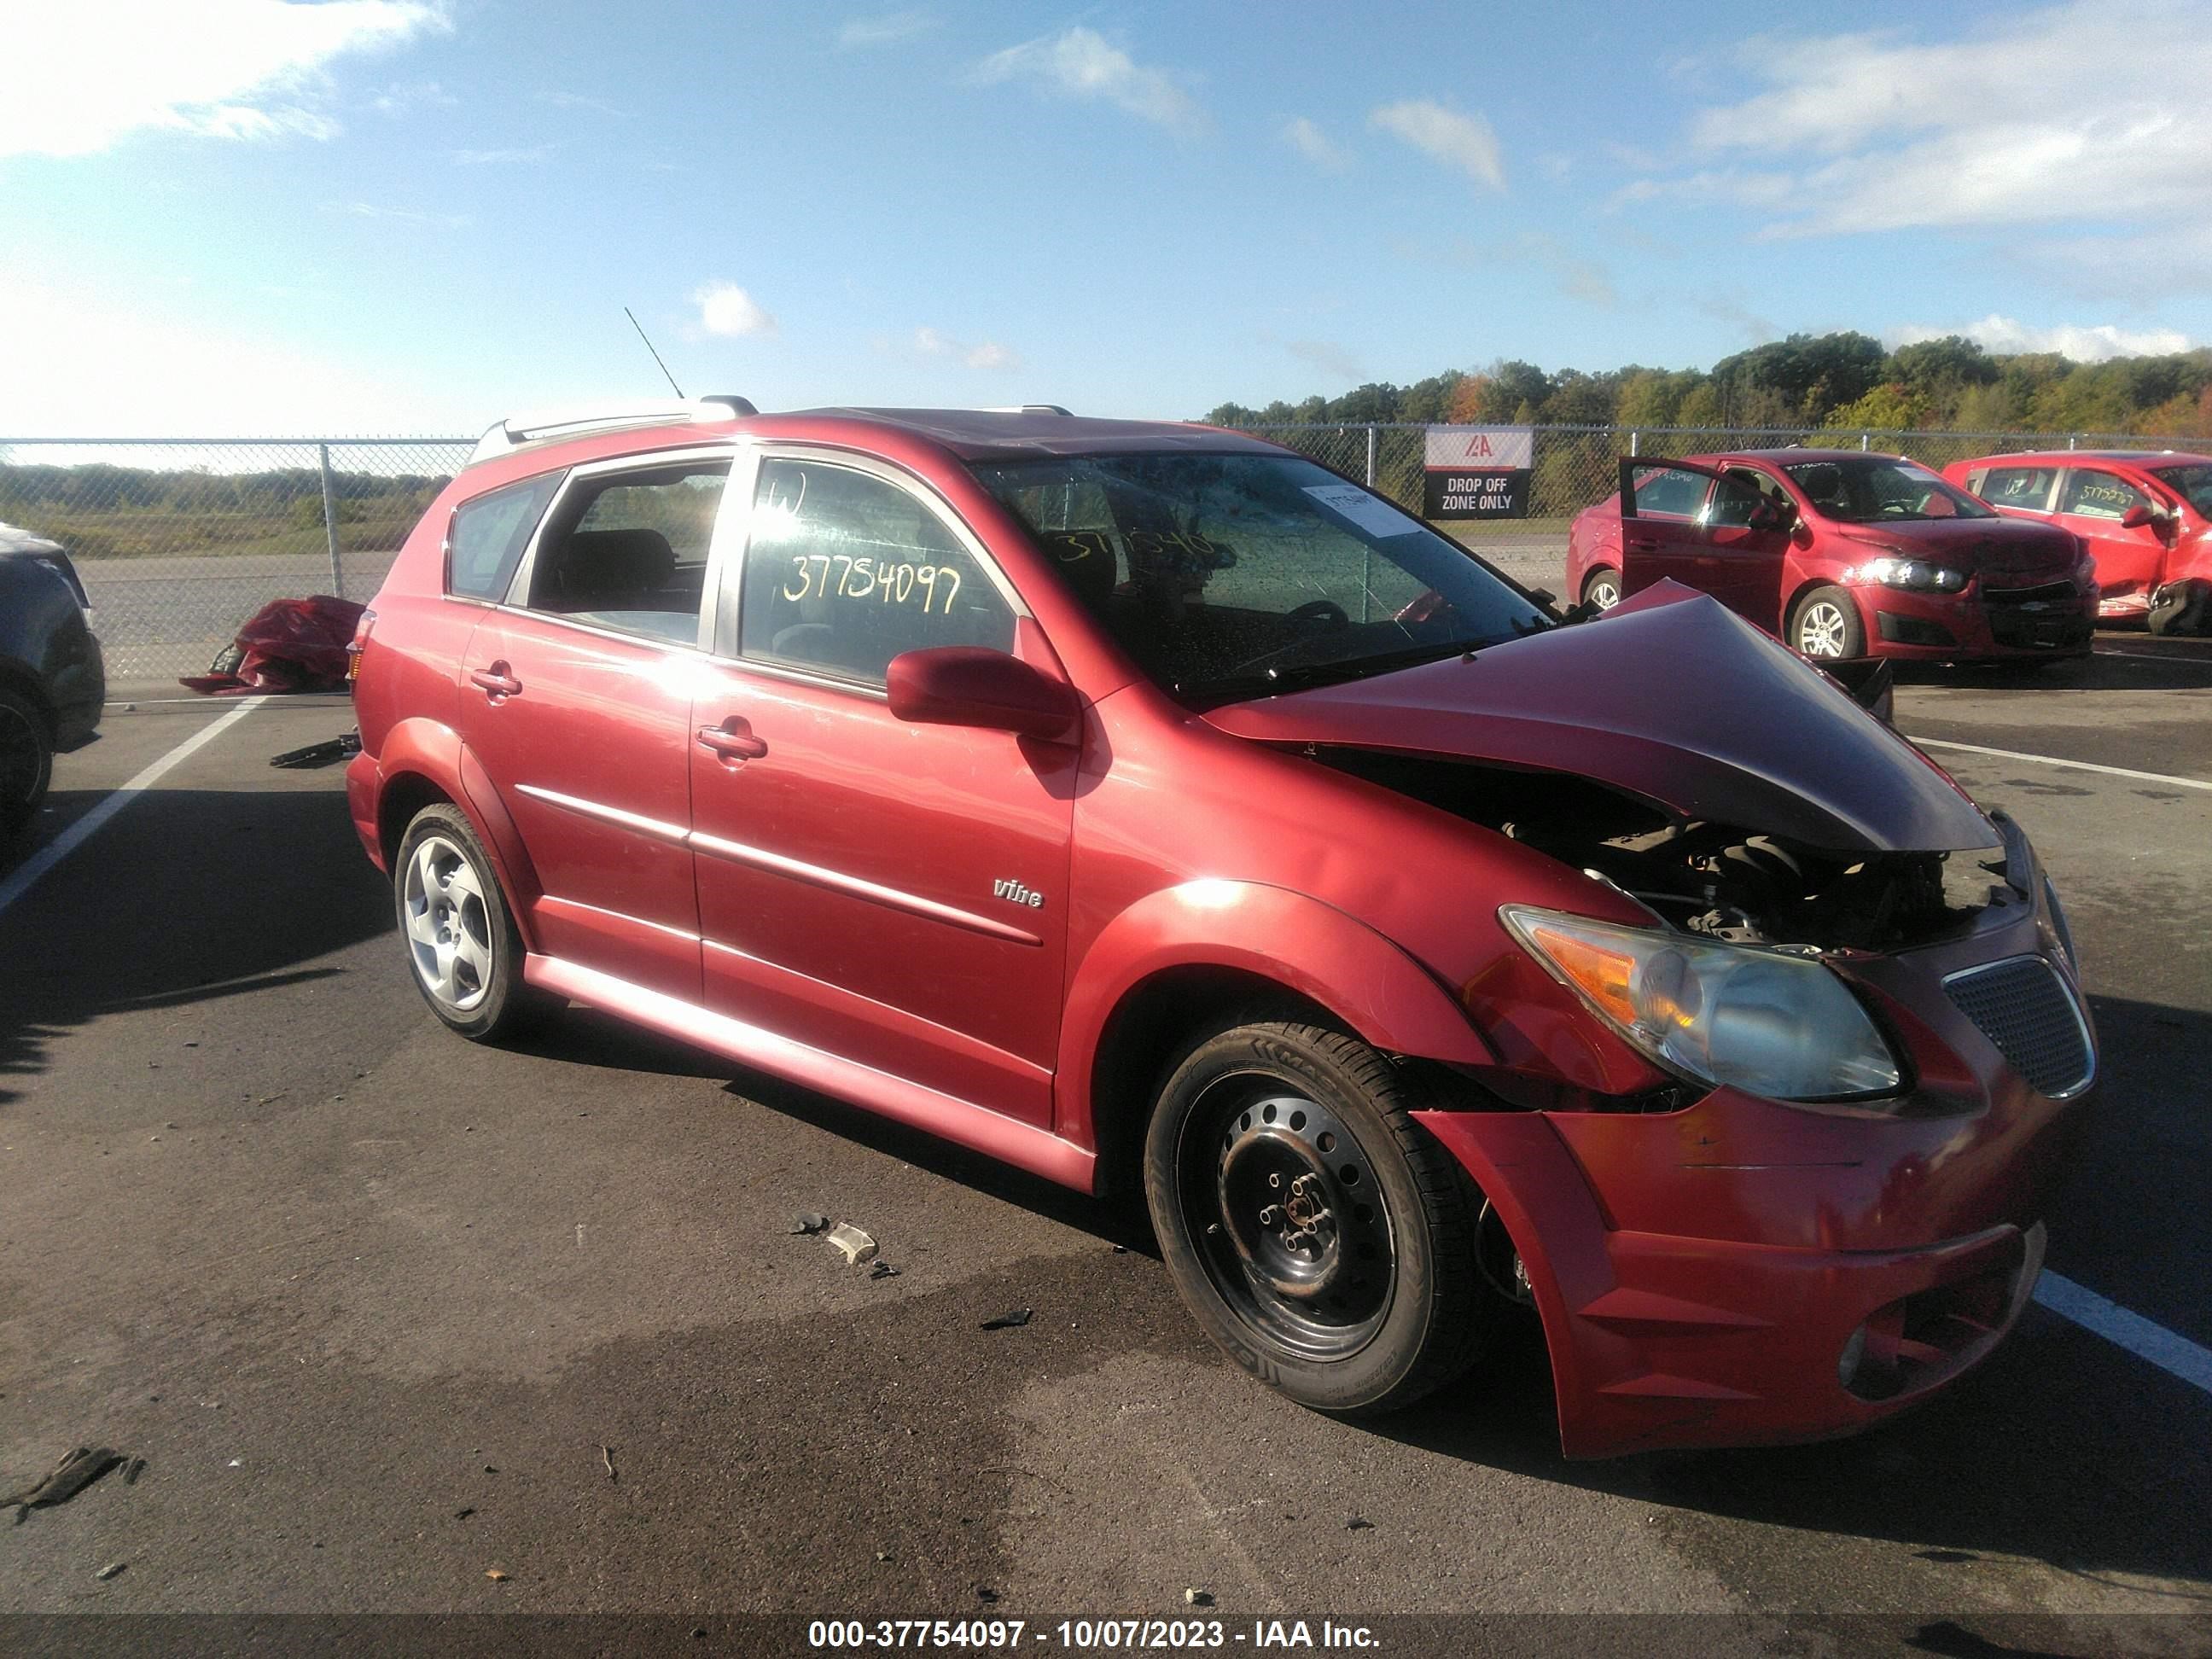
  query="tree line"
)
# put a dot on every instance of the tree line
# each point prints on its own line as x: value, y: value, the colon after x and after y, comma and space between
x: 1843, y: 381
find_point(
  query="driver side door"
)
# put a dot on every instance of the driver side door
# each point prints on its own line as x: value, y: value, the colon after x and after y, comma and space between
x: 1706, y: 529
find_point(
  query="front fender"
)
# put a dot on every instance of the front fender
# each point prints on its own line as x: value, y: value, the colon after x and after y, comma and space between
x: 1383, y: 994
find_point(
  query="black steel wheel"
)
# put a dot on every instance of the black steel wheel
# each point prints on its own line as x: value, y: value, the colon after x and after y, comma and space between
x: 1322, y: 1238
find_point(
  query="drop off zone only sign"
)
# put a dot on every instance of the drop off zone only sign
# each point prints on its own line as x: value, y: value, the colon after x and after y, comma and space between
x: 1478, y: 472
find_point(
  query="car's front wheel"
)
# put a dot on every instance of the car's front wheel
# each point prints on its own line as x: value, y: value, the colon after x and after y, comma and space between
x: 461, y: 940
x: 1826, y: 625
x: 27, y: 761
x: 1602, y: 590
x: 1324, y: 1240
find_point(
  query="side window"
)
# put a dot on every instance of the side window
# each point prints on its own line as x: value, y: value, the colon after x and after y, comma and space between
x: 628, y: 550
x: 488, y: 535
x: 1739, y: 491
x: 2099, y: 495
x: 1670, y: 492
x: 2027, y: 487
x: 844, y: 571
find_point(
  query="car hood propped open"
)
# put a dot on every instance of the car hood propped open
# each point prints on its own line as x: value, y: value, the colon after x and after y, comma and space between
x: 1670, y: 697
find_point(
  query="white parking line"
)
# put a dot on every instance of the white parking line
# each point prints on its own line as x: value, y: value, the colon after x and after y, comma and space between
x: 2175, y: 1355
x: 83, y: 829
x: 2071, y: 765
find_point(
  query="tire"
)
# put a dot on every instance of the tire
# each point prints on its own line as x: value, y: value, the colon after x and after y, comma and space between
x: 27, y: 762
x: 464, y: 951
x: 1602, y: 589
x: 1349, y: 1281
x: 2182, y: 607
x: 1826, y: 626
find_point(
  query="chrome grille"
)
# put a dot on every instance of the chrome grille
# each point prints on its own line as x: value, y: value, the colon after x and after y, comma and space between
x: 2029, y: 1014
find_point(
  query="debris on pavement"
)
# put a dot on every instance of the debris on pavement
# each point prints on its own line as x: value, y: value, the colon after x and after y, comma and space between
x: 329, y: 752
x: 807, y: 1222
x: 857, y: 1245
x: 497, y: 1575
x: 607, y: 1457
x: 1007, y: 1321
x: 110, y: 1570
x: 78, y: 1470
x: 132, y: 1470
x: 882, y: 1269
x: 1359, y: 1523
x: 289, y: 645
x: 985, y: 1594
x: 1198, y: 1598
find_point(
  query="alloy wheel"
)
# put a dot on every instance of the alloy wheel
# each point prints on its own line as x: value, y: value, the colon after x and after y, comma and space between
x: 1821, y: 630
x: 448, y: 924
x: 22, y: 759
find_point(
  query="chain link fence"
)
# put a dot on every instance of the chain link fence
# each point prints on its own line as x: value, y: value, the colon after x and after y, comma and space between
x: 180, y: 541
x: 1578, y: 466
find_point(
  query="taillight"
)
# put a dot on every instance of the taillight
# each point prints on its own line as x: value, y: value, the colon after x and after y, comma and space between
x: 360, y: 643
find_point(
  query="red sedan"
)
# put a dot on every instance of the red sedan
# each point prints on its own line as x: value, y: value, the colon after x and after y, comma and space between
x: 1153, y: 810
x: 2146, y: 517
x: 1841, y: 555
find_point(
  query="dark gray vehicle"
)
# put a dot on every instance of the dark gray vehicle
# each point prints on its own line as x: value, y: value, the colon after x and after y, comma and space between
x: 52, y: 679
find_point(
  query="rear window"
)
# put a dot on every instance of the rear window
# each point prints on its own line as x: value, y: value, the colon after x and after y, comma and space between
x: 488, y: 535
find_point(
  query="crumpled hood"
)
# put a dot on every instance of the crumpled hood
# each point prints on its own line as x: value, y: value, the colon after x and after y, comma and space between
x: 1671, y: 696
x: 2004, y: 550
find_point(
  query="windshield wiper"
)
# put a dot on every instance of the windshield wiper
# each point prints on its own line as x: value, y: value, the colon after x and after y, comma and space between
x: 1306, y: 675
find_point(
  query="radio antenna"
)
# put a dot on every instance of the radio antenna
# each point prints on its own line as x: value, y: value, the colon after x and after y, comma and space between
x: 634, y: 324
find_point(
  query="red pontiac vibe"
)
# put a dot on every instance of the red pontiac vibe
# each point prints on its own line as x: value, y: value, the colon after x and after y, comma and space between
x: 1840, y: 554
x: 1150, y: 808
x: 2146, y: 517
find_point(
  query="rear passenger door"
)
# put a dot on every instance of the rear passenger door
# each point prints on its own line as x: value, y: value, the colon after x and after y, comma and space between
x: 575, y: 698
x: 892, y: 893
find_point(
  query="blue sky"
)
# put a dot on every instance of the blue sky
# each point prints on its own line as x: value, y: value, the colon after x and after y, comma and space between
x: 381, y: 216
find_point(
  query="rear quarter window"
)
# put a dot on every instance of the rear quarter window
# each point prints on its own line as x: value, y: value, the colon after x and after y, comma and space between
x: 485, y: 541
x: 2024, y: 487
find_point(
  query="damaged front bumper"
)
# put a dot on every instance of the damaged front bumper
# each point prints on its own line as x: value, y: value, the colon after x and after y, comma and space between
x: 1741, y: 1272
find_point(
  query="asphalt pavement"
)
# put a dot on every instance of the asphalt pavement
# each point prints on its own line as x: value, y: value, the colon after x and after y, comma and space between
x: 404, y: 1325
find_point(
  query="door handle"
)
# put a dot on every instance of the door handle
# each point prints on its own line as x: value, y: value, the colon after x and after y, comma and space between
x: 496, y: 681
x: 1639, y: 545
x: 733, y: 740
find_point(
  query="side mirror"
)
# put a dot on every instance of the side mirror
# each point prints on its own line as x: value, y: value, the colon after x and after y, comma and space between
x: 2136, y: 517
x: 1544, y: 596
x: 970, y: 686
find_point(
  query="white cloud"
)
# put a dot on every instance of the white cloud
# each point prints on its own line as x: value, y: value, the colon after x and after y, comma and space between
x: 2090, y: 342
x: 74, y: 362
x: 251, y: 70
x: 983, y: 354
x: 1078, y: 62
x: 726, y: 309
x: 1464, y: 141
x: 402, y: 96
x: 2017, y: 124
x: 500, y: 158
x: 862, y: 33
x: 1316, y: 146
x: 397, y: 215
x: 579, y: 101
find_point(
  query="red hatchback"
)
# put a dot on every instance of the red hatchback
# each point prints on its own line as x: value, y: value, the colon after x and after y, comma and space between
x: 2145, y: 516
x: 1839, y: 554
x: 1150, y: 808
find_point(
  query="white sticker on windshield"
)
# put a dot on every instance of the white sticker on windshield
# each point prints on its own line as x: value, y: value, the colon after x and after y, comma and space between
x: 1369, y: 513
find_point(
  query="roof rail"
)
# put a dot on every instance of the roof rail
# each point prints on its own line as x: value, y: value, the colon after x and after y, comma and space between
x: 577, y: 420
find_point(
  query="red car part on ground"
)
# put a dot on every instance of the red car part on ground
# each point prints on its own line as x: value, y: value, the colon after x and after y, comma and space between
x: 2145, y: 516
x: 1841, y: 555
x: 1408, y: 984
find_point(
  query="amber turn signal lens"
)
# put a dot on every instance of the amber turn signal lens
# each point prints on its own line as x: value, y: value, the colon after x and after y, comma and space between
x: 1601, y: 974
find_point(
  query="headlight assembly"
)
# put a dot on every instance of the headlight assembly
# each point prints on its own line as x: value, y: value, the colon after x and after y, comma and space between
x: 1919, y: 574
x: 1766, y: 1022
